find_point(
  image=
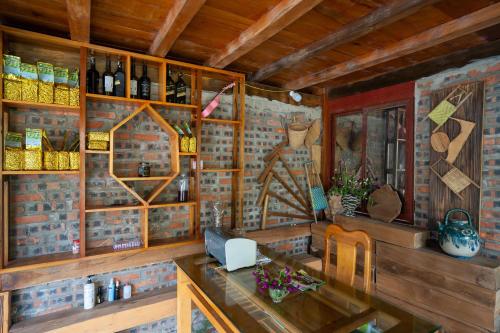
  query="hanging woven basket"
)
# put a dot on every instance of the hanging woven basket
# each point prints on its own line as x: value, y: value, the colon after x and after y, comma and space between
x: 296, y: 135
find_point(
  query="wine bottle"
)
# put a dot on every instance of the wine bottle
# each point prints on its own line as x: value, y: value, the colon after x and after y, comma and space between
x: 133, y: 81
x: 144, y: 83
x: 108, y: 78
x: 180, y: 90
x: 92, y: 77
x: 119, y: 80
x: 170, y: 87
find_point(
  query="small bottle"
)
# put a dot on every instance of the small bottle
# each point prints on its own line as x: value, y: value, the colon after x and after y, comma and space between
x: 119, y: 81
x: 127, y: 291
x: 108, y: 78
x: 117, y: 290
x: 89, y: 294
x: 92, y: 77
x: 133, y: 81
x: 180, y: 90
x: 99, y: 296
x: 183, y: 188
x: 144, y: 83
x: 111, y: 290
x: 170, y: 87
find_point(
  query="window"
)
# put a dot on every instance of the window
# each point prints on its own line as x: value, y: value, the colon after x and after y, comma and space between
x: 373, y: 137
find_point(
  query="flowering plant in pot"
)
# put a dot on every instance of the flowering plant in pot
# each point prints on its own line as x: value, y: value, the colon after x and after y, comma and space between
x: 279, y: 285
x: 352, y: 190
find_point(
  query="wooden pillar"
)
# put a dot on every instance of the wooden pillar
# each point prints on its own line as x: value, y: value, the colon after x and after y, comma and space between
x: 5, y: 311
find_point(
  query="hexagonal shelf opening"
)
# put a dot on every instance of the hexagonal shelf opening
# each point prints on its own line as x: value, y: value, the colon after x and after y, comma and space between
x: 144, y: 136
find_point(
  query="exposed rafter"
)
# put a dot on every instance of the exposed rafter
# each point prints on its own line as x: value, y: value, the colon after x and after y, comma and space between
x: 462, y: 26
x: 179, y: 16
x: 79, y: 19
x: 269, y: 24
x: 383, y: 16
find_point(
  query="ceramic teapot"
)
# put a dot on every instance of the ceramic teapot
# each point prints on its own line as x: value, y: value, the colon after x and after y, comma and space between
x: 458, y: 238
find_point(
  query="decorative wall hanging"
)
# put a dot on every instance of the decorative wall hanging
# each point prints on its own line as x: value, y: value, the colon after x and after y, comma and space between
x: 448, y: 106
x: 458, y: 162
x: 384, y: 204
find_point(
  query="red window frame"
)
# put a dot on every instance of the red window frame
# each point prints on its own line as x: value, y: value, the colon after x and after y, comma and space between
x: 400, y: 94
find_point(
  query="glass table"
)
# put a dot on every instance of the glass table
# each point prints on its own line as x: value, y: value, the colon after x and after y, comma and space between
x: 232, y: 302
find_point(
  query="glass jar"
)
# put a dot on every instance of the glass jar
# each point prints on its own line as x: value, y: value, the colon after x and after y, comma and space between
x: 144, y: 169
x: 183, y: 188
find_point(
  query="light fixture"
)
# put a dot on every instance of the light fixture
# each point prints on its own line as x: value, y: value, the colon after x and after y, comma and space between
x: 295, y: 96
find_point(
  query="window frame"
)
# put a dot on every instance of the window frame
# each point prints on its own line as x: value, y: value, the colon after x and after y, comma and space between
x: 398, y: 95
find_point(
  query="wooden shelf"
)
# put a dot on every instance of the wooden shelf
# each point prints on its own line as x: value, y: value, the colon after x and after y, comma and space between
x: 24, y: 104
x: 41, y: 172
x: 172, y: 204
x: 125, y: 100
x: 170, y: 241
x: 97, y: 209
x: 109, y: 249
x: 44, y: 259
x: 187, y: 154
x: 152, y: 178
x: 113, y: 316
x: 89, y: 151
x: 220, y: 121
x: 220, y: 170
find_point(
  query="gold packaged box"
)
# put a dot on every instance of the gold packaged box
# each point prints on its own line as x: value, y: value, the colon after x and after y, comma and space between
x: 29, y: 82
x: 74, y: 160
x: 63, y: 160
x: 12, y: 88
x: 98, y: 145
x: 98, y: 136
x: 13, y: 159
x: 45, y: 92
x: 50, y: 161
x: 74, y: 96
x: 185, y: 144
x: 192, y: 145
x: 32, y: 160
x: 61, y: 94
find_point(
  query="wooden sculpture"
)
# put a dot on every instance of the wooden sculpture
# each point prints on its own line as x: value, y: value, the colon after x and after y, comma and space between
x: 455, y: 180
x: 448, y: 106
x: 384, y: 204
x: 458, y: 143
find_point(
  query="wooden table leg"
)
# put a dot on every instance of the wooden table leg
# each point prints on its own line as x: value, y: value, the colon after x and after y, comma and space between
x: 184, y: 309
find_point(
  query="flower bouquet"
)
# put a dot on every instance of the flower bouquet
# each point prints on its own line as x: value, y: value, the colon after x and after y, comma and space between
x: 279, y: 285
x: 351, y: 189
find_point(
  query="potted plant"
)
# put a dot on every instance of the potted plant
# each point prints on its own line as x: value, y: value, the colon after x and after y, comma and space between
x: 351, y: 189
x: 278, y: 285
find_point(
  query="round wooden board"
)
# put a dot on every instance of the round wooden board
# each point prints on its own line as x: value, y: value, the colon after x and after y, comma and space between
x: 440, y: 142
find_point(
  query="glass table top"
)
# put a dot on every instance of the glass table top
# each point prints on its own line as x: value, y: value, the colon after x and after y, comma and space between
x: 335, y: 307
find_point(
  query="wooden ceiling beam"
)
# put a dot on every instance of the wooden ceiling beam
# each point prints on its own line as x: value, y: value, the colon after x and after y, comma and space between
x: 269, y: 24
x: 79, y: 19
x: 428, y: 67
x: 462, y: 26
x: 179, y: 16
x: 377, y: 19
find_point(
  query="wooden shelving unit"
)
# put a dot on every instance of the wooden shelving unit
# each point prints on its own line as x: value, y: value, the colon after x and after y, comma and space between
x: 78, y: 57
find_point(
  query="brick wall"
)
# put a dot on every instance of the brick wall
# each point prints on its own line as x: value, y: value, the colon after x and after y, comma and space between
x: 487, y: 70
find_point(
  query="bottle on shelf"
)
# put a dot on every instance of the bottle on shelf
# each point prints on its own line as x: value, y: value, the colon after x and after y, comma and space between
x: 183, y: 188
x: 108, y: 79
x: 133, y: 81
x: 111, y: 290
x: 92, y: 77
x: 144, y: 83
x: 192, y: 139
x: 117, y: 290
x: 119, y: 80
x: 170, y: 87
x: 89, y: 294
x: 180, y: 90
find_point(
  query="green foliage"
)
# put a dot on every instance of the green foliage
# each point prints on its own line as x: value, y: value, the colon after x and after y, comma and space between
x: 345, y: 183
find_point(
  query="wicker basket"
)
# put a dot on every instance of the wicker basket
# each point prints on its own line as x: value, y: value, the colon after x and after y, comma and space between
x: 296, y: 135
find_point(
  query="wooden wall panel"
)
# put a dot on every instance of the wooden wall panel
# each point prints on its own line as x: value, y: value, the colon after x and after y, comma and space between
x: 469, y: 160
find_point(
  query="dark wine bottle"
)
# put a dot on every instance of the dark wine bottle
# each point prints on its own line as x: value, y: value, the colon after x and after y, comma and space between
x: 108, y: 78
x: 180, y: 90
x: 144, y: 83
x: 92, y: 77
x: 119, y: 80
x: 170, y: 87
x: 133, y: 81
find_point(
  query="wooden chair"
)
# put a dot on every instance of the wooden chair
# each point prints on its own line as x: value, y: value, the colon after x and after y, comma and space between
x: 346, y: 254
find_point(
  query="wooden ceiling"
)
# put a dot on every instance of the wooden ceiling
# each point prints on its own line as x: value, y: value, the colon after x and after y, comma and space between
x: 286, y: 43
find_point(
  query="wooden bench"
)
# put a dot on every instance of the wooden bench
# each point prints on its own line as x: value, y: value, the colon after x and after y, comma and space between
x: 107, y: 317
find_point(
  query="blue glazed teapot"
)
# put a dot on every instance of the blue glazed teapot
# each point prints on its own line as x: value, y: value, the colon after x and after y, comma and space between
x: 458, y: 238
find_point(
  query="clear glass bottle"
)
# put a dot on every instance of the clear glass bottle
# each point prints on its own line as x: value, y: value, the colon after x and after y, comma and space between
x: 183, y: 188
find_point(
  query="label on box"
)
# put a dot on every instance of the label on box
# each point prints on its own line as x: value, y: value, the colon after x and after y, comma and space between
x: 61, y: 75
x: 73, y: 79
x: 34, y: 139
x: 45, y: 72
x: 28, y: 71
x: 11, y: 64
x: 13, y: 140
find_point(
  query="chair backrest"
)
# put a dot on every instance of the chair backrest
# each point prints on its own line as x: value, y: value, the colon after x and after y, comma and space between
x: 346, y: 254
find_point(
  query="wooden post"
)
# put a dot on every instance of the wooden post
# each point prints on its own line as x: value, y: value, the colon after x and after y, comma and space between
x: 197, y: 188
x: 82, y: 129
x: 264, y: 212
x: 5, y: 311
x: 184, y: 308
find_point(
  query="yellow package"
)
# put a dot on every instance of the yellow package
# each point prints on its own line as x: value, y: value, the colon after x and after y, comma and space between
x: 98, y: 136
x: 13, y: 159
x: 98, y: 145
x: 32, y: 160
x: 192, y: 145
x: 50, y: 160
x: 185, y: 144
x: 74, y: 96
x: 63, y: 160
x: 61, y: 95
x: 74, y: 160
